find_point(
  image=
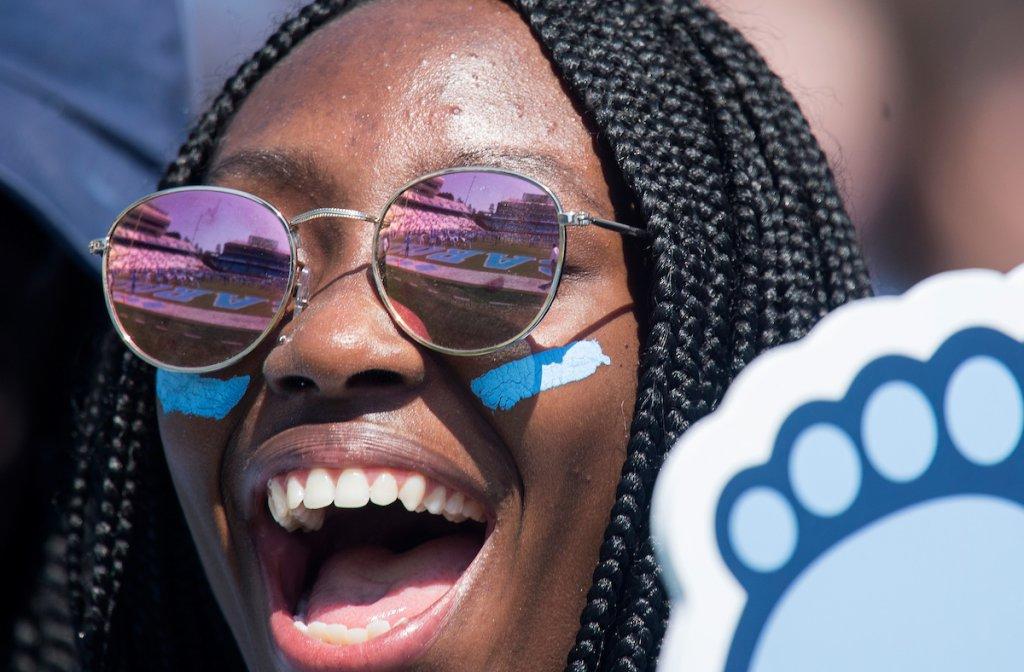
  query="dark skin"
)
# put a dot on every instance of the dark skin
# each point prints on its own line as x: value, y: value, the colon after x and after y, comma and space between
x: 388, y: 92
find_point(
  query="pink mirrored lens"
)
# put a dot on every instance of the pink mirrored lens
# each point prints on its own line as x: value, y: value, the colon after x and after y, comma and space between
x: 196, y: 276
x: 467, y: 259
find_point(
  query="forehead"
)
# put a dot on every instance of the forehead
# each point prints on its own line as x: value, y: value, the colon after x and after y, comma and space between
x: 397, y: 88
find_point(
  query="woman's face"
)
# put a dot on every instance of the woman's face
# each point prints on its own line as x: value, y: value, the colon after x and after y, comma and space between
x: 386, y: 93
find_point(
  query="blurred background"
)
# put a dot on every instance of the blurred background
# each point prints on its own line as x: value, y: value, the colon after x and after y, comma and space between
x: 919, y: 105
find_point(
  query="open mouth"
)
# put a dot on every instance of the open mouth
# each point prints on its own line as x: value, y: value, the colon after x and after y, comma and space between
x: 357, y: 557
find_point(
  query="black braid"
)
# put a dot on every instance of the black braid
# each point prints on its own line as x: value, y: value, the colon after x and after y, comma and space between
x: 750, y: 246
x: 757, y: 249
x: 90, y: 432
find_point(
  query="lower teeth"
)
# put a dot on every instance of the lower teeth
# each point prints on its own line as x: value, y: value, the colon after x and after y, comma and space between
x: 340, y: 635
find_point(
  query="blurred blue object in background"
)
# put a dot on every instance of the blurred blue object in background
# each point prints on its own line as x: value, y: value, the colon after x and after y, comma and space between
x: 221, y: 34
x: 96, y: 99
x: 93, y: 107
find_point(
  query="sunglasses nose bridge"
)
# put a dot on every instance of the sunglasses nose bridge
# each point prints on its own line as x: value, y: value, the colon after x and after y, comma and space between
x: 332, y: 213
x: 304, y: 279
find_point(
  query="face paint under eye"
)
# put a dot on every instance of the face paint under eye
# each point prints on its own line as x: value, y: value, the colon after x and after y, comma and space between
x: 507, y: 385
x: 192, y: 394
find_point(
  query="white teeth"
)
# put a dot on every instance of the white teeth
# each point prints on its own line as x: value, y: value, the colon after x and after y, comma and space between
x: 319, y: 490
x: 318, y: 630
x: 278, y: 504
x: 412, y: 492
x: 434, y: 502
x: 453, y: 508
x: 377, y: 627
x: 295, y: 492
x: 454, y: 504
x: 338, y: 634
x: 473, y: 510
x: 301, y: 500
x: 353, y: 491
x: 278, y: 500
x: 357, y: 635
x: 384, y: 490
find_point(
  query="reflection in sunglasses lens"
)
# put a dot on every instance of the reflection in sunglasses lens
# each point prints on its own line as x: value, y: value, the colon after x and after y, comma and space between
x: 467, y: 259
x: 196, y: 276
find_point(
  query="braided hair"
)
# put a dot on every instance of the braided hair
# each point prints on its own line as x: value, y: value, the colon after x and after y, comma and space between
x: 750, y: 246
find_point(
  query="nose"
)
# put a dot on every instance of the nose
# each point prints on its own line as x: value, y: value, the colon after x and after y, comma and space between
x: 344, y: 345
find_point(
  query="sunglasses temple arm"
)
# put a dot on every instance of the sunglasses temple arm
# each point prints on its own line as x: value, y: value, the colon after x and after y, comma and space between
x: 584, y: 219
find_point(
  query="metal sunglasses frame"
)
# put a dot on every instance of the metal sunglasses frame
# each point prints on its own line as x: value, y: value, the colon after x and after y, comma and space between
x: 298, y: 290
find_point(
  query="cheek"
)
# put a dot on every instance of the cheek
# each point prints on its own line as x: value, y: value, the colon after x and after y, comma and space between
x: 569, y: 445
x: 193, y: 451
x: 575, y: 434
x: 564, y: 409
x: 196, y: 418
x: 564, y: 412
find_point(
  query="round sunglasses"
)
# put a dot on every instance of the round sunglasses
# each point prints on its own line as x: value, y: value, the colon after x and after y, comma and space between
x: 466, y: 261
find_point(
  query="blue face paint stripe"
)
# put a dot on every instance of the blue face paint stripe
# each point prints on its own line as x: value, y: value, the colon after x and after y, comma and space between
x: 199, y: 396
x: 507, y: 385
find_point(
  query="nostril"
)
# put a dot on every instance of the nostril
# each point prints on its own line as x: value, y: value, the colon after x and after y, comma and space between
x: 375, y: 378
x: 295, y: 384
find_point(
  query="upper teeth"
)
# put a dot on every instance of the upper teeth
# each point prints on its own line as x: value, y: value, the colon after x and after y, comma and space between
x: 298, y: 499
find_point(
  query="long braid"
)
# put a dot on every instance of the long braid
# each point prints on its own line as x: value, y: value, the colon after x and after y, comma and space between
x: 733, y: 192
x: 601, y: 93
x: 750, y: 246
x: 778, y: 197
x: 90, y: 432
x: 45, y: 637
x: 653, y: 166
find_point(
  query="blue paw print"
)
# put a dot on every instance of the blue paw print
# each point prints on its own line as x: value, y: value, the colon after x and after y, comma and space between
x: 886, y: 532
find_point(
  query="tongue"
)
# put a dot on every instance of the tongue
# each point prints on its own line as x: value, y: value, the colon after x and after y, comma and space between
x: 356, y: 584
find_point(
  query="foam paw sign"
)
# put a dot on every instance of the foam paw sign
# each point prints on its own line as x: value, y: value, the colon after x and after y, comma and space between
x: 857, y: 501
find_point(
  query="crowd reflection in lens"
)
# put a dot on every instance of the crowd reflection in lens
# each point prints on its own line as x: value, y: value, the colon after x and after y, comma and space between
x: 196, y: 277
x: 467, y: 259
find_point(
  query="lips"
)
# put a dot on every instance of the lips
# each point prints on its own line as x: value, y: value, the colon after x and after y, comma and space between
x: 366, y: 542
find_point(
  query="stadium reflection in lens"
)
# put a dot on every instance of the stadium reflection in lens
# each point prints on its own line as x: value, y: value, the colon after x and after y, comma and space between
x: 195, y: 277
x: 467, y: 259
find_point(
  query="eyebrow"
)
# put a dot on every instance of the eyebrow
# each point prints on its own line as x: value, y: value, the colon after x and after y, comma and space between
x: 528, y: 162
x: 296, y: 170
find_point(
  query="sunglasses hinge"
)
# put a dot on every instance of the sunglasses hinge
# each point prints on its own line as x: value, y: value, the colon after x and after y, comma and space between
x: 575, y: 219
x: 98, y: 246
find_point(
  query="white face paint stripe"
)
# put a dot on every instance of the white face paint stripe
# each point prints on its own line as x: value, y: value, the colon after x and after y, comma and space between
x: 507, y: 385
